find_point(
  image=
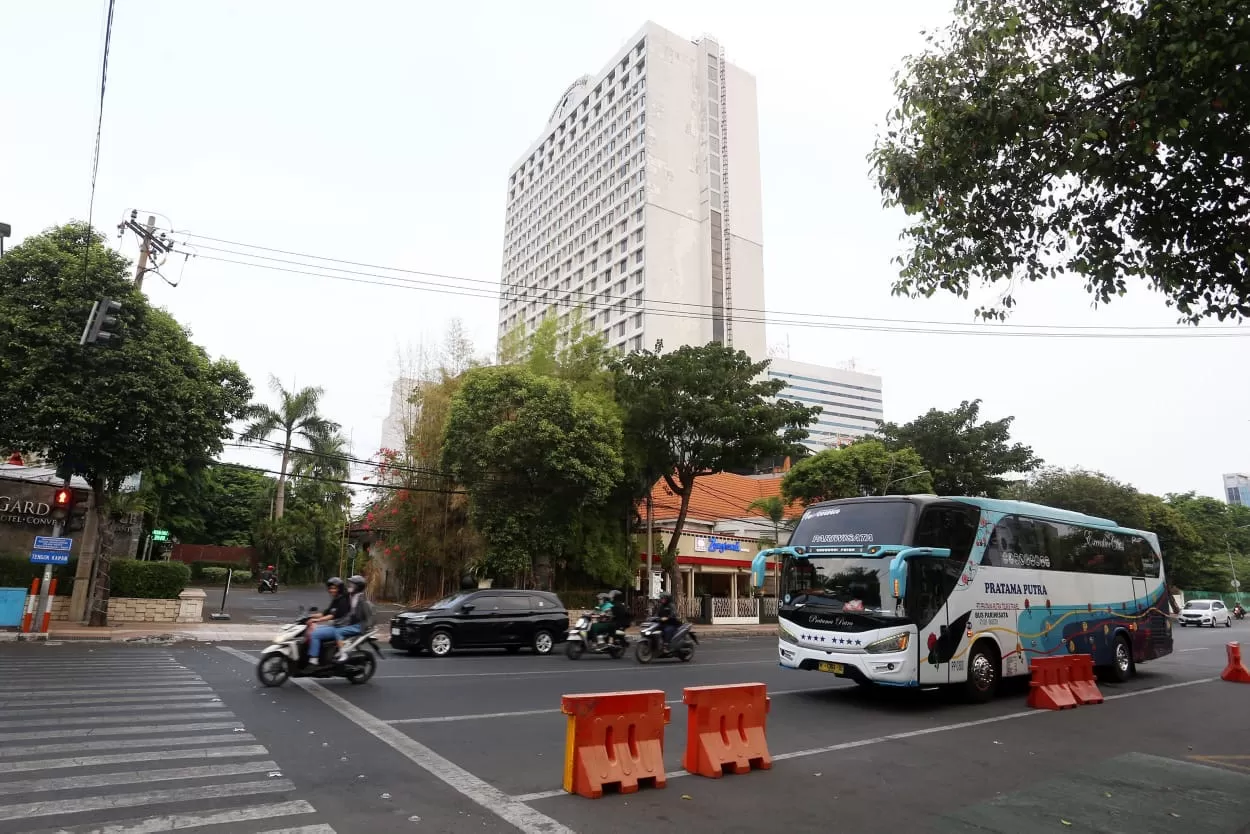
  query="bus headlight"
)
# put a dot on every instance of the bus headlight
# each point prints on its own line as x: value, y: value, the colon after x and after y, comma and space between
x: 893, y: 643
x: 786, y: 635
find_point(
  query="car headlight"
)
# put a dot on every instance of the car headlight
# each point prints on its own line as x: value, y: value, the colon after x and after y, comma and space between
x: 893, y: 643
x: 417, y: 618
x: 786, y: 635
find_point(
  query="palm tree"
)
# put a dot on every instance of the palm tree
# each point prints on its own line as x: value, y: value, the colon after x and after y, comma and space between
x: 295, y: 417
x: 774, y: 507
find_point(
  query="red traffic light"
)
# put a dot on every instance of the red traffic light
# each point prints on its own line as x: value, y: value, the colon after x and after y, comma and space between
x: 62, y: 498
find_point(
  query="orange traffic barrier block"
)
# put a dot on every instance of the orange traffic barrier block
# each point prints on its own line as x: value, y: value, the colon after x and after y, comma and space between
x: 614, y: 740
x: 1048, y: 688
x: 1081, y: 679
x: 725, y: 728
x: 1236, y: 670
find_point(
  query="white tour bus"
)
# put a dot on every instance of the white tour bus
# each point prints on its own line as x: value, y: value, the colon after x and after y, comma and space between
x: 925, y: 591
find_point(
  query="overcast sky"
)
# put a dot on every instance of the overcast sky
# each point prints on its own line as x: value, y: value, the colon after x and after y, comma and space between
x: 383, y: 132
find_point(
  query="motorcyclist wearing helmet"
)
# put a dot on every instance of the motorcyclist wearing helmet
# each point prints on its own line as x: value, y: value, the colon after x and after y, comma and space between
x: 669, y: 620
x: 322, y: 627
x: 602, y: 627
x: 358, y: 616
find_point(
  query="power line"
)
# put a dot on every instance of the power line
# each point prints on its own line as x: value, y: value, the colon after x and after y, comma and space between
x: 99, y: 132
x: 490, y: 289
x: 342, y: 482
x: 420, y: 286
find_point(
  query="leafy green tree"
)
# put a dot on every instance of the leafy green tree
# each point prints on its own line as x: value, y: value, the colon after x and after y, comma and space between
x: 296, y: 417
x: 149, y: 400
x: 963, y: 456
x: 860, y: 469
x: 534, y: 455
x: 1100, y: 138
x: 775, y: 510
x: 1082, y: 491
x: 218, y: 504
x: 701, y: 410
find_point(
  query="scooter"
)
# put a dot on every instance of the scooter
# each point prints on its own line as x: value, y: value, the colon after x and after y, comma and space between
x: 267, y: 583
x: 651, y: 642
x: 1239, y: 612
x: 287, y: 657
x: 578, y: 641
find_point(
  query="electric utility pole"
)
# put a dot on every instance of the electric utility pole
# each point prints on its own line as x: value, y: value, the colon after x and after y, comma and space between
x: 149, y: 242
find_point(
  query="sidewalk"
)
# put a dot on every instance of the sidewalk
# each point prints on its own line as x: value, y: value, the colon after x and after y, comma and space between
x: 254, y: 633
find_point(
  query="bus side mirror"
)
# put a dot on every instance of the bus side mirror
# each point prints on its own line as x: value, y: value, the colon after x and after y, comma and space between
x: 759, y: 567
x: 898, y: 566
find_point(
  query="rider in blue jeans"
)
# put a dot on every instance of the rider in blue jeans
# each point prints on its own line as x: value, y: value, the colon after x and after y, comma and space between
x: 358, y: 615
x: 323, y: 626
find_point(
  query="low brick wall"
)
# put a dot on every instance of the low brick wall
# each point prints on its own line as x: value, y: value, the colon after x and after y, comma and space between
x: 188, y: 608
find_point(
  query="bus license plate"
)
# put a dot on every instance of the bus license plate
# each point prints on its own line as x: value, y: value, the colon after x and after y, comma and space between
x: 834, y: 668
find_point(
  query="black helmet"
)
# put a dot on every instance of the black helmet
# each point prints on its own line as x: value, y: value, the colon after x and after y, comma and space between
x: 335, y: 582
x: 666, y: 597
x: 358, y: 583
x: 614, y: 595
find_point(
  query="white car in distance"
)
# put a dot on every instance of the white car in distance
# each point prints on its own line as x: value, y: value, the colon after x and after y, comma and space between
x: 1208, y: 612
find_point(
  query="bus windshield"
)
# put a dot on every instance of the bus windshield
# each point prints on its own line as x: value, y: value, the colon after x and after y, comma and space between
x: 851, y: 582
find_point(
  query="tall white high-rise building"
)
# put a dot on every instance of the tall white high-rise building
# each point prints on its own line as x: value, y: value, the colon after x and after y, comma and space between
x: 638, y: 208
x: 1237, y: 488
x: 401, y: 416
x: 852, y: 403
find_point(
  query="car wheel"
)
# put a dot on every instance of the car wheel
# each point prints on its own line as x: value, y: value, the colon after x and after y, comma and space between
x: 1121, y: 668
x: 543, y: 642
x: 984, y: 672
x: 441, y: 643
x: 1228, y: 623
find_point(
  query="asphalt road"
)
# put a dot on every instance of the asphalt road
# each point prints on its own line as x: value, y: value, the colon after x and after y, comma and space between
x: 475, y: 743
x: 245, y: 605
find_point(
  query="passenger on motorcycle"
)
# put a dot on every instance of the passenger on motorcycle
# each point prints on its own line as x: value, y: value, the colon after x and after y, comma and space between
x: 669, y: 620
x: 602, y: 627
x: 359, y: 614
x: 321, y: 627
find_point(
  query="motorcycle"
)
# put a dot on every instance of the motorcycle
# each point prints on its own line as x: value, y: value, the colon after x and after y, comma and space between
x: 651, y: 642
x: 267, y: 583
x: 578, y: 641
x: 1239, y: 612
x: 287, y: 657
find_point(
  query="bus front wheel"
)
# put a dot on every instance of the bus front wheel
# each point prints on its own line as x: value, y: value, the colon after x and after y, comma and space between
x: 984, y: 672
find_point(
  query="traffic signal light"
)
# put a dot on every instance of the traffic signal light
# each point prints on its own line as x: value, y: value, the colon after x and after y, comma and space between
x: 61, y: 503
x: 101, y: 322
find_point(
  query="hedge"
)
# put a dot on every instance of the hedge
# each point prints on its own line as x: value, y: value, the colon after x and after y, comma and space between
x: 198, y: 568
x: 17, y: 571
x: 218, y: 575
x: 132, y: 579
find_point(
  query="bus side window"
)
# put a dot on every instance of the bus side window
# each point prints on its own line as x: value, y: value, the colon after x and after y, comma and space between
x: 952, y: 527
x: 1019, y: 543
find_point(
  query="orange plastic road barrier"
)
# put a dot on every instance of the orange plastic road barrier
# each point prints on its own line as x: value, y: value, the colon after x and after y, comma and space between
x: 725, y: 729
x: 614, y: 739
x: 1236, y: 670
x: 1049, y: 687
x: 32, y: 600
x: 1081, y: 679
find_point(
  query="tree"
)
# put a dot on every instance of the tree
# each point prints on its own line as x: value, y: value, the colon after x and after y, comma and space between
x: 864, y: 468
x: 774, y: 509
x: 148, y: 400
x: 1082, y: 491
x: 963, y: 457
x: 534, y: 455
x: 1101, y: 138
x: 296, y: 417
x: 701, y: 410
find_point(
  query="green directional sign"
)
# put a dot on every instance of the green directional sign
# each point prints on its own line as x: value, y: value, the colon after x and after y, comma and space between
x: 160, y: 535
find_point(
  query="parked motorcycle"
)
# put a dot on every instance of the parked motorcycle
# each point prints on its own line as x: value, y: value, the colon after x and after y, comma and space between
x: 650, y: 643
x: 267, y: 583
x: 579, y: 641
x: 287, y: 657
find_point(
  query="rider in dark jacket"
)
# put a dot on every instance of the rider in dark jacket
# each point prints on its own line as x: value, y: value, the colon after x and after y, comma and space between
x: 669, y: 619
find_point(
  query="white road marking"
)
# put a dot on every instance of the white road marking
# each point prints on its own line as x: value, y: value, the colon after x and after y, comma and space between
x: 122, y: 744
x: 55, y: 807
x: 97, y: 706
x: 443, y: 719
x: 119, y: 731
x: 102, y: 780
x: 175, y: 689
x: 177, y: 822
x: 489, y: 797
x: 849, y: 745
x: 570, y: 673
x: 127, y: 758
x: 1199, y: 649
x: 62, y: 718
x: 303, y: 829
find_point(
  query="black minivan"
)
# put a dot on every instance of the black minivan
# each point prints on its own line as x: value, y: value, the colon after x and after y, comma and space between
x: 487, y: 618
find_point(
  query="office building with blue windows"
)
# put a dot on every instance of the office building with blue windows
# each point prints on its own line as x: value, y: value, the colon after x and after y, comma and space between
x: 851, y: 402
x: 1237, y: 488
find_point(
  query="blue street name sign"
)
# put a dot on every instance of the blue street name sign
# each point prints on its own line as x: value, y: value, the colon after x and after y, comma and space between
x: 53, y: 543
x: 49, y: 557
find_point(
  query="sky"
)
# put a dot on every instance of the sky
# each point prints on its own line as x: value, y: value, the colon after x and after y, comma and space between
x: 383, y: 133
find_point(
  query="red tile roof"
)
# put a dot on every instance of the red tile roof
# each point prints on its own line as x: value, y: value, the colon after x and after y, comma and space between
x: 717, y: 497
